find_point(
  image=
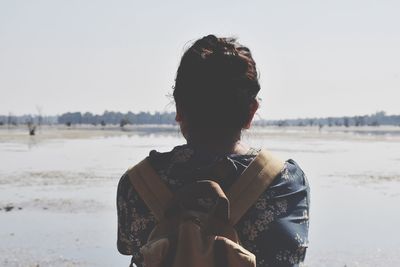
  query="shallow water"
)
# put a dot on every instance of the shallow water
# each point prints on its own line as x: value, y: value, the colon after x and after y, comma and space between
x: 62, y: 194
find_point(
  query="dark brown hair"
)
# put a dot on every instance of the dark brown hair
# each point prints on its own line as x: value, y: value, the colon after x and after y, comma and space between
x: 215, y: 84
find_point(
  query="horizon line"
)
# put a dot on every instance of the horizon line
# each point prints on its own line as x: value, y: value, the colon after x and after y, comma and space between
x: 256, y: 118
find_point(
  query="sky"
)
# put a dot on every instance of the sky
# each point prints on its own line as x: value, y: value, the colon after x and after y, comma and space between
x: 315, y: 58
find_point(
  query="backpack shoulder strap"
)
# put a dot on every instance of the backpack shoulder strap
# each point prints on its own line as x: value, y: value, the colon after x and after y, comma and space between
x: 252, y: 183
x: 151, y: 189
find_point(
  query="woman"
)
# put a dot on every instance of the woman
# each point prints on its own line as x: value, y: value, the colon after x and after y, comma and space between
x: 215, y: 93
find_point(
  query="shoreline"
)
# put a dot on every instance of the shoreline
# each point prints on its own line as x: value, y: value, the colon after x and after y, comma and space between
x: 377, y: 133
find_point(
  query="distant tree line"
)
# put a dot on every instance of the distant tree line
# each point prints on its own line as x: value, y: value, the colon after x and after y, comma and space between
x: 122, y: 119
x: 11, y: 119
x: 379, y: 118
x: 111, y: 117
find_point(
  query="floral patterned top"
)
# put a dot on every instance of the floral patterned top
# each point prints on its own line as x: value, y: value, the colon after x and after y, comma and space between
x: 275, y: 228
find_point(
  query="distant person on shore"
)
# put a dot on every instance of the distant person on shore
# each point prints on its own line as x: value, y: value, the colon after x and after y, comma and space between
x: 215, y: 94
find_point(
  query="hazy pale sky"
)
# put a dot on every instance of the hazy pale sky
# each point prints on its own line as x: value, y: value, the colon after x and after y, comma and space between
x: 315, y: 58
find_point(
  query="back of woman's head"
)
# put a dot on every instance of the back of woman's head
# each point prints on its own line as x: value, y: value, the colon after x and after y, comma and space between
x: 216, y: 83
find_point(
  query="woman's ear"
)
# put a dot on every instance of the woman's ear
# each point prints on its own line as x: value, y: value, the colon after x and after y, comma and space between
x: 254, y: 105
x: 178, y: 116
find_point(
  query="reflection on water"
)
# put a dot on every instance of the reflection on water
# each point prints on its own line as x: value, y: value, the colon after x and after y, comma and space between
x: 65, y: 186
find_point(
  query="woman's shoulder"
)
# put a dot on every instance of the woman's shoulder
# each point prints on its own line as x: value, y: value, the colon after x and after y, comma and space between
x: 275, y: 228
x: 291, y: 177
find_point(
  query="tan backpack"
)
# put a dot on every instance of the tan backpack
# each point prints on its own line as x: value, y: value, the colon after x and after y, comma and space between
x: 189, y: 235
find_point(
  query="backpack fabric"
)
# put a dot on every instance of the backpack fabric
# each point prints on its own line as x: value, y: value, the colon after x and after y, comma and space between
x: 196, y: 224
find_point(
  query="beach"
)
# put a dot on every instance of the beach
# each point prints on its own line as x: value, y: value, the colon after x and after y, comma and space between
x: 58, y: 190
